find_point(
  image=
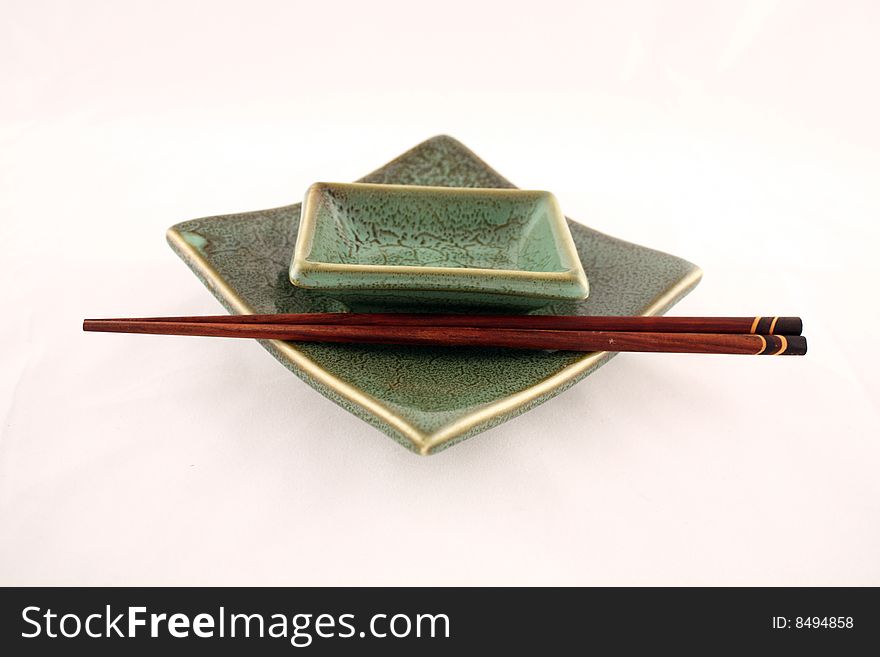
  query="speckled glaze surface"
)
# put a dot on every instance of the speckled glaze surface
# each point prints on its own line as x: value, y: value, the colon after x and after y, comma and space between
x: 437, y: 245
x: 425, y: 398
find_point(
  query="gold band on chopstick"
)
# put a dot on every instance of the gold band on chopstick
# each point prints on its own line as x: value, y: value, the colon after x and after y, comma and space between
x: 784, y: 344
x: 763, y: 345
x: 754, y: 326
x: 773, y: 325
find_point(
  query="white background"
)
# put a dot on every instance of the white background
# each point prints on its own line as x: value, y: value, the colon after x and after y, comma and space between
x: 740, y: 135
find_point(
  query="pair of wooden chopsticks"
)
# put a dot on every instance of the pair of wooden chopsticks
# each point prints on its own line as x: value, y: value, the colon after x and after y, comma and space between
x: 703, y: 335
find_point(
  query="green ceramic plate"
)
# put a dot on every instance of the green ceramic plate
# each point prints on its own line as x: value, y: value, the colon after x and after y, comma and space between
x: 425, y: 398
x: 436, y: 245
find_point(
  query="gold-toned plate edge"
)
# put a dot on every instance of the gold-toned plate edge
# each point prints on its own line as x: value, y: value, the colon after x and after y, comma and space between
x: 300, y: 359
x: 551, y: 383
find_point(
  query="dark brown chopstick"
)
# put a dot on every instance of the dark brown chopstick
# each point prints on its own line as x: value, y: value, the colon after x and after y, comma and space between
x: 470, y: 336
x: 657, y: 324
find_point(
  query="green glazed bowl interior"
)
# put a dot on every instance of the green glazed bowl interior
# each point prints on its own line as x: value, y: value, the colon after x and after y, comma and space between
x: 411, y: 243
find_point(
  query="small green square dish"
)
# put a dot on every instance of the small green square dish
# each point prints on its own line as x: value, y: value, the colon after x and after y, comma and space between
x: 405, y: 244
